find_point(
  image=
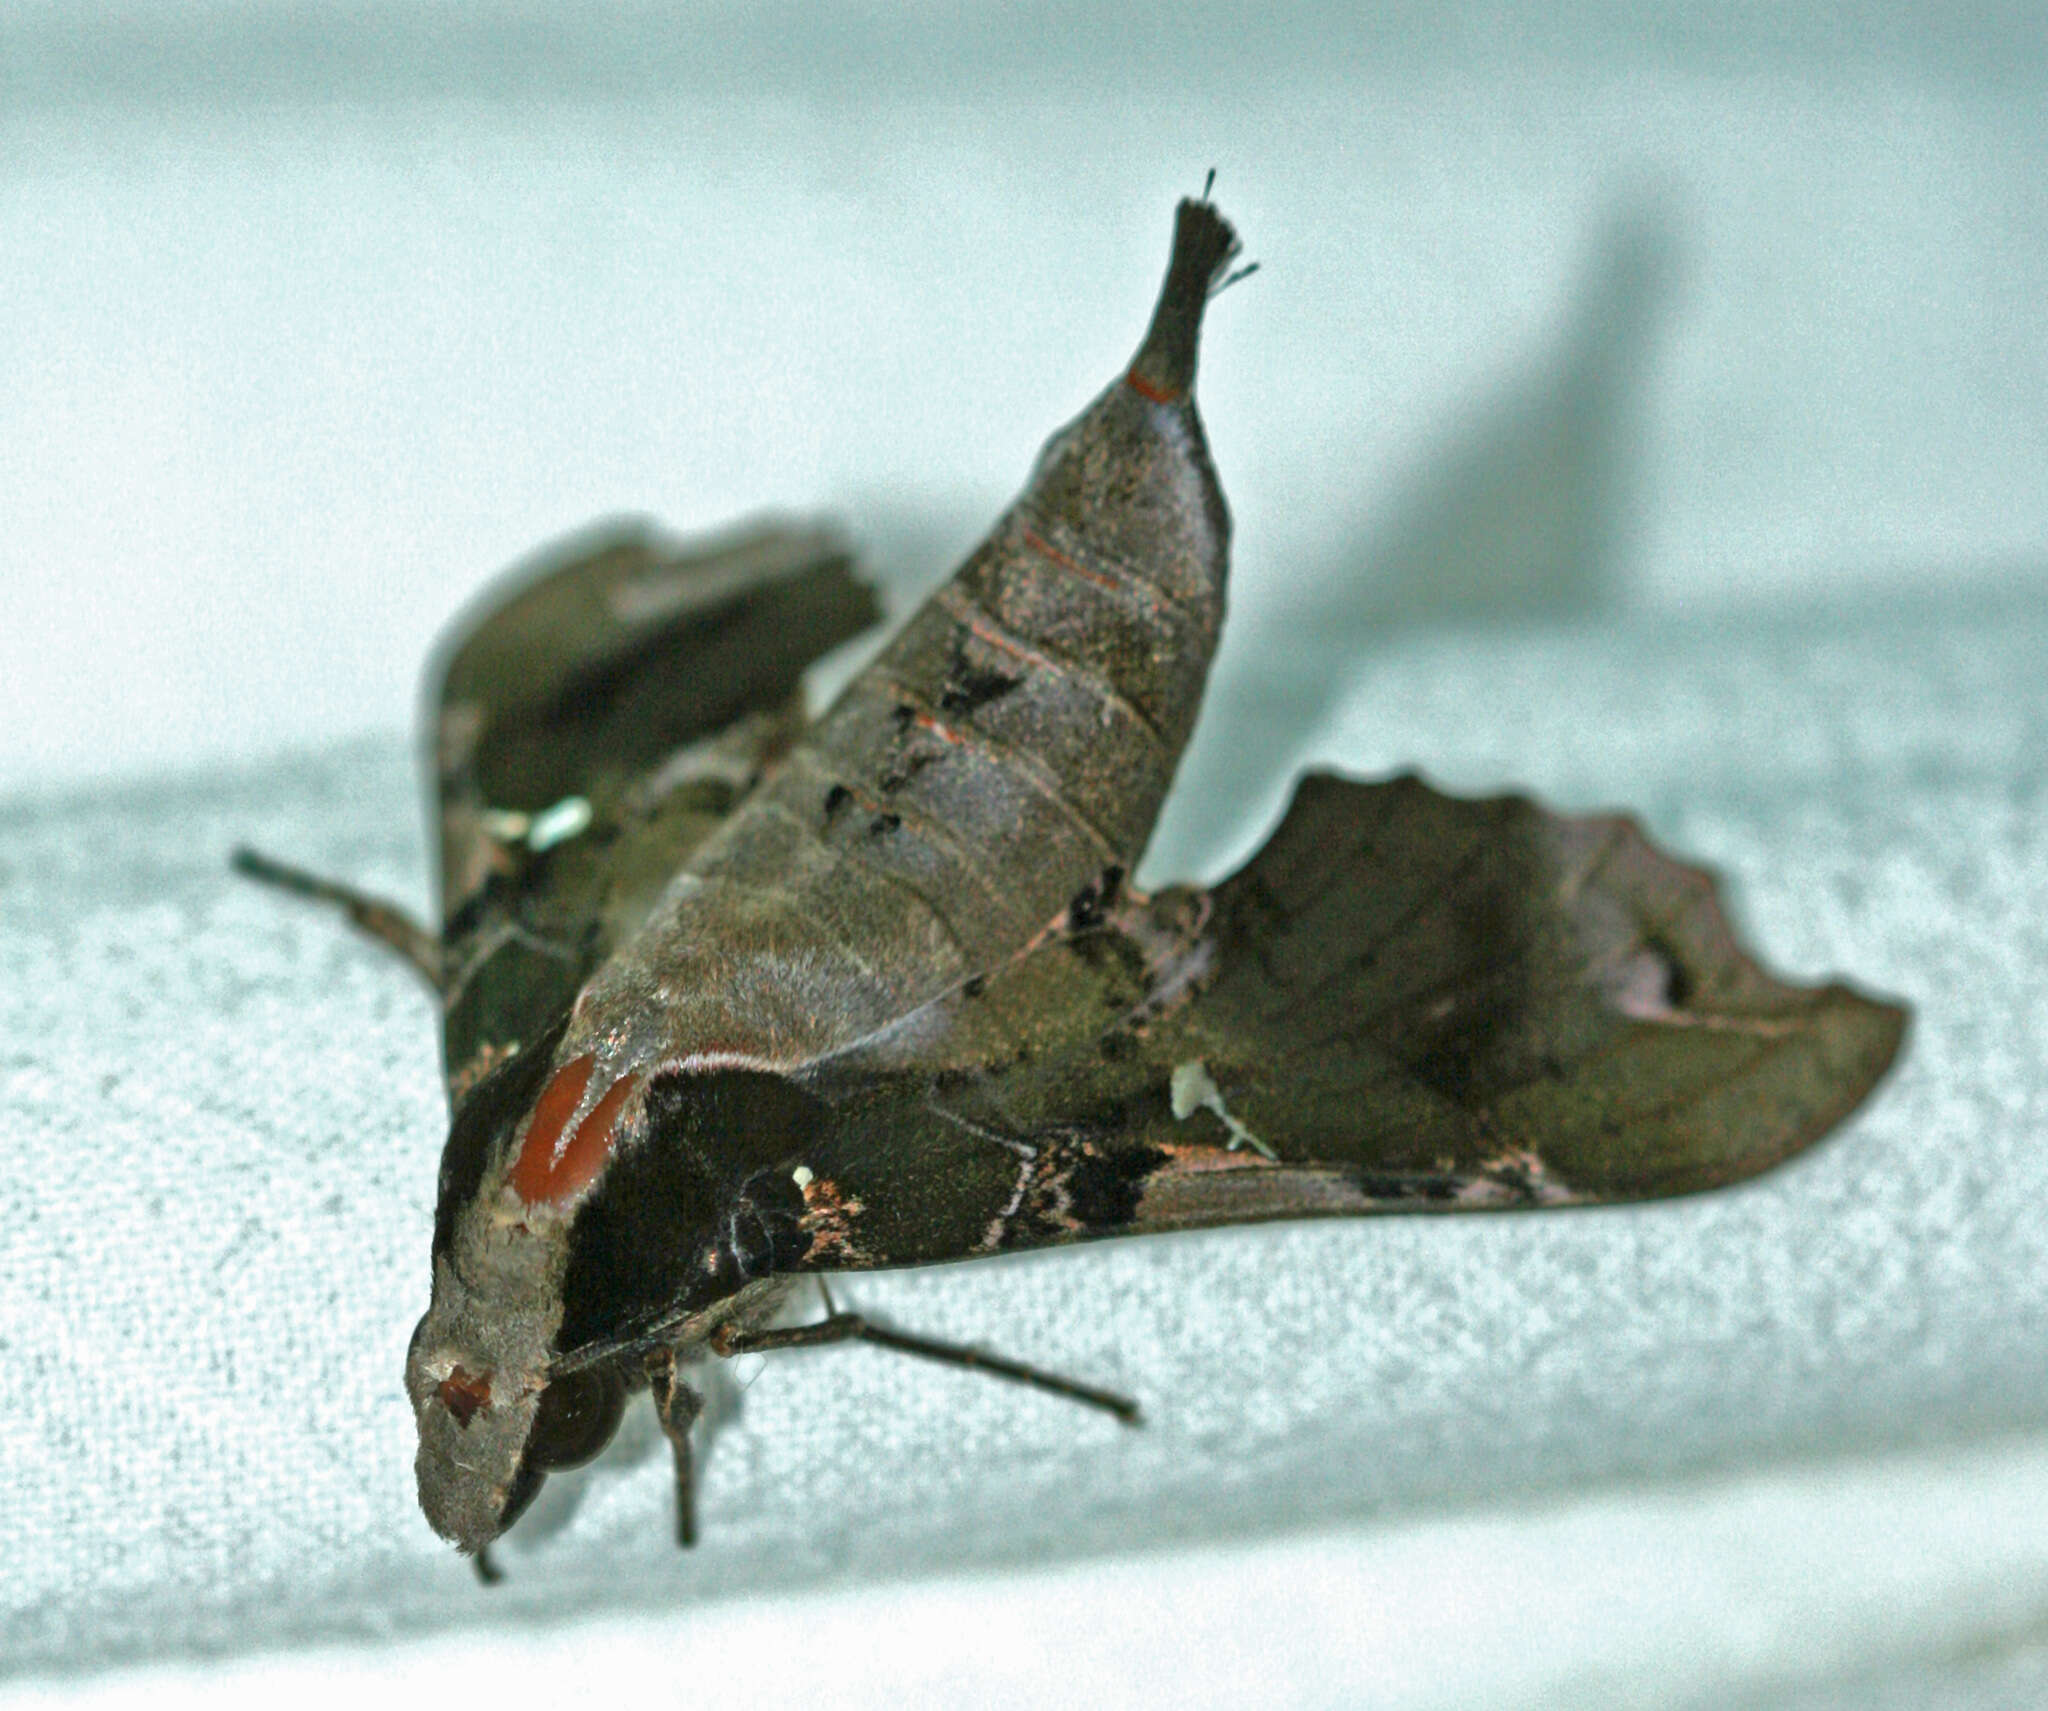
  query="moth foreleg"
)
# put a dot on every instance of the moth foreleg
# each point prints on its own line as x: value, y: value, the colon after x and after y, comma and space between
x: 385, y: 922
x: 842, y: 1327
x: 677, y: 1406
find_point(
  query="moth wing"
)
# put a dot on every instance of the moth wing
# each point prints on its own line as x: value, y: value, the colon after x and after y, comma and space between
x: 1404, y: 1002
x: 594, y: 718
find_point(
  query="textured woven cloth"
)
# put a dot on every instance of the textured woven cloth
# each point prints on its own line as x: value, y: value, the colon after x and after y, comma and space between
x: 222, y: 1112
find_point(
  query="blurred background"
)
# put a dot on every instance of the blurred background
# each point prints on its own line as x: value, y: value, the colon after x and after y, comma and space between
x: 1715, y: 321
x: 316, y: 314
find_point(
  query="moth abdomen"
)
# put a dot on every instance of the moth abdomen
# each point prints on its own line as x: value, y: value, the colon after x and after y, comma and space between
x: 1019, y: 734
x: 1012, y: 742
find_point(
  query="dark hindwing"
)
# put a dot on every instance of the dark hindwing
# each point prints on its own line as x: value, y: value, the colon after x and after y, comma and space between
x: 593, y: 722
x: 1404, y: 1002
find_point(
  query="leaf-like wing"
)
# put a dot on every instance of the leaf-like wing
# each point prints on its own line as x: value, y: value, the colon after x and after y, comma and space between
x: 593, y: 721
x: 1404, y: 1002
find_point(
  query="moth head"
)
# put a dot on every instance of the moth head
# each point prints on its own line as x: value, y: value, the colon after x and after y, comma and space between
x: 497, y: 1402
x: 589, y: 1211
x: 494, y: 1419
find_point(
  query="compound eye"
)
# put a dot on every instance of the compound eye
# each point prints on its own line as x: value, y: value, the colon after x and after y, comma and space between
x: 577, y: 1416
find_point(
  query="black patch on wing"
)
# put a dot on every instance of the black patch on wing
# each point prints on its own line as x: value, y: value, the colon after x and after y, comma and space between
x: 1076, y: 1186
x: 1395, y: 1188
x: 690, y: 1211
x: 1104, y: 1187
x: 1453, y: 1058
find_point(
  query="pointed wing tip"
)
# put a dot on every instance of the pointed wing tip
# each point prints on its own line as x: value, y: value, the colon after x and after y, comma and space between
x: 1853, y: 1040
x: 1878, y: 1027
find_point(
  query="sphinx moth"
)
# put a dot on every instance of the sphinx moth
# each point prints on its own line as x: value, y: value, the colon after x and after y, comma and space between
x: 735, y: 997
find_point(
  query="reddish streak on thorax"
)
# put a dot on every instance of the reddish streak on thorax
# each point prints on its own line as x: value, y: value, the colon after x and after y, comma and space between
x: 549, y: 1171
x: 551, y: 1114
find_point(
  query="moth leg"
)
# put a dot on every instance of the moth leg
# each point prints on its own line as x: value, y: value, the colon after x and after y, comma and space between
x: 677, y: 1406
x: 843, y: 1327
x: 488, y: 1573
x: 385, y: 922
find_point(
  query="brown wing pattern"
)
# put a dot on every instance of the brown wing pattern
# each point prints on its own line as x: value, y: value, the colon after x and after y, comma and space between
x: 1404, y: 1002
x: 1487, y: 1002
x: 592, y: 724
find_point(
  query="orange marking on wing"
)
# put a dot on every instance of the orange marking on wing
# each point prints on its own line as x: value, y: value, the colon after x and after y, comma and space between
x: 1188, y: 1157
x: 1145, y: 389
x: 1046, y: 550
x: 828, y: 1220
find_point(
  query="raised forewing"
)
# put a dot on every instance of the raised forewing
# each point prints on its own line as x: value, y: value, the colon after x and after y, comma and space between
x: 592, y: 722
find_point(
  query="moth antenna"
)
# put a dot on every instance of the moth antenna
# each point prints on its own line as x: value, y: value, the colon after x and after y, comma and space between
x: 1203, y: 245
x: 1208, y: 184
x: 385, y: 922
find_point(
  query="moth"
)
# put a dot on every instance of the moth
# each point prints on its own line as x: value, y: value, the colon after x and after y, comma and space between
x: 734, y: 997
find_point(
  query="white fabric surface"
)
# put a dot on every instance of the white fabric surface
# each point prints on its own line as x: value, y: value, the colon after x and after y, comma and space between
x: 223, y: 1116
x: 1874, y: 1585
